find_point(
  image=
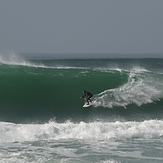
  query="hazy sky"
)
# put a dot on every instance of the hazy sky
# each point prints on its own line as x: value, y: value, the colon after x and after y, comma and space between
x: 82, y: 26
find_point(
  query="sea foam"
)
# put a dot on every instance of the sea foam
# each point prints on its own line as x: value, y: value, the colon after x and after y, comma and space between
x: 141, y: 88
x: 10, y: 132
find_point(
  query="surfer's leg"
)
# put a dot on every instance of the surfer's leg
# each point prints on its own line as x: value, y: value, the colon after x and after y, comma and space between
x: 88, y: 101
x: 90, y: 98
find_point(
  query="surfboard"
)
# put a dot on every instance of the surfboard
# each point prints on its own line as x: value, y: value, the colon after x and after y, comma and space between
x: 86, y: 105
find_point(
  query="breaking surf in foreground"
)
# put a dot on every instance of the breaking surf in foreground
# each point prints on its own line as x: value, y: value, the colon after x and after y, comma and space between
x: 82, y: 142
x: 43, y: 119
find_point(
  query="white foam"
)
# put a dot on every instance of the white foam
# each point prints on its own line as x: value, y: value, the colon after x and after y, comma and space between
x: 141, y: 88
x: 110, y: 161
x: 139, y: 69
x: 10, y: 132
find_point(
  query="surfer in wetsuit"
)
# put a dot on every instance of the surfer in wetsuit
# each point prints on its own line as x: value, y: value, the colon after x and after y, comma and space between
x: 88, y: 96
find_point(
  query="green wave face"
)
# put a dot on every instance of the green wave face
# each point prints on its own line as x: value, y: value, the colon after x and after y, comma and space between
x: 38, y: 92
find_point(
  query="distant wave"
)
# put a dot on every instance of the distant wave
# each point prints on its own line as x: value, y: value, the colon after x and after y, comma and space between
x: 14, y: 59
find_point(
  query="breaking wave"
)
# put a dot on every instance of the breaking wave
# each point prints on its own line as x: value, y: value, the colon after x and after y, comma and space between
x: 85, y: 131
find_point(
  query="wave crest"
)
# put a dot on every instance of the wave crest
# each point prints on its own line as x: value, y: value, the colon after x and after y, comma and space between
x: 141, y: 88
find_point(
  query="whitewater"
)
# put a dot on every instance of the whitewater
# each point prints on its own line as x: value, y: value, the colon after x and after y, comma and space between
x: 42, y: 118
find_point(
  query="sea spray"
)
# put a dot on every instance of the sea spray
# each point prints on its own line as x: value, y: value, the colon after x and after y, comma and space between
x: 10, y: 132
x: 14, y: 59
x: 141, y: 88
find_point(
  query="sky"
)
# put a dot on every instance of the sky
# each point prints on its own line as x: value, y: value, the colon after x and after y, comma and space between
x: 75, y: 28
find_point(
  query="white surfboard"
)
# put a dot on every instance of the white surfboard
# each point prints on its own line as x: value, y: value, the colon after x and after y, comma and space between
x: 86, y: 105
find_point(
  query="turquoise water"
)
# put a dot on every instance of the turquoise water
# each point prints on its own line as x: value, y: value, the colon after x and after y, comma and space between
x: 42, y: 118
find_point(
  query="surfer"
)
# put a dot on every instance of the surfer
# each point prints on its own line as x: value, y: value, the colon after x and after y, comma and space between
x: 88, y: 96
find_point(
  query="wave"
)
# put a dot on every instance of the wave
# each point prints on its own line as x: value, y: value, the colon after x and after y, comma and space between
x: 141, y: 88
x: 11, y: 132
x: 52, y: 88
x: 16, y: 60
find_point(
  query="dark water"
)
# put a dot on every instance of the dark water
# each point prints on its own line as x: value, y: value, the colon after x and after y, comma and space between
x: 41, y: 100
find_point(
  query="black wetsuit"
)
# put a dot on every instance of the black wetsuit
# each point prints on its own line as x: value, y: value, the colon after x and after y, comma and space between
x: 88, y: 96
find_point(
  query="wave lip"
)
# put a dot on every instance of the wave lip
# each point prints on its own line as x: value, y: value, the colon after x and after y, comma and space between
x: 141, y: 88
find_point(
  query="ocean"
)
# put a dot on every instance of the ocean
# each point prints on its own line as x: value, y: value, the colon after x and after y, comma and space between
x: 42, y: 118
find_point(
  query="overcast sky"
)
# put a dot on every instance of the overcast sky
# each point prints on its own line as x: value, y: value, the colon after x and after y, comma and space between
x: 73, y: 27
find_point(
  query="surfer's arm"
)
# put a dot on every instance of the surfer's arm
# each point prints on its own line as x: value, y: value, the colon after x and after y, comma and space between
x: 83, y: 96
